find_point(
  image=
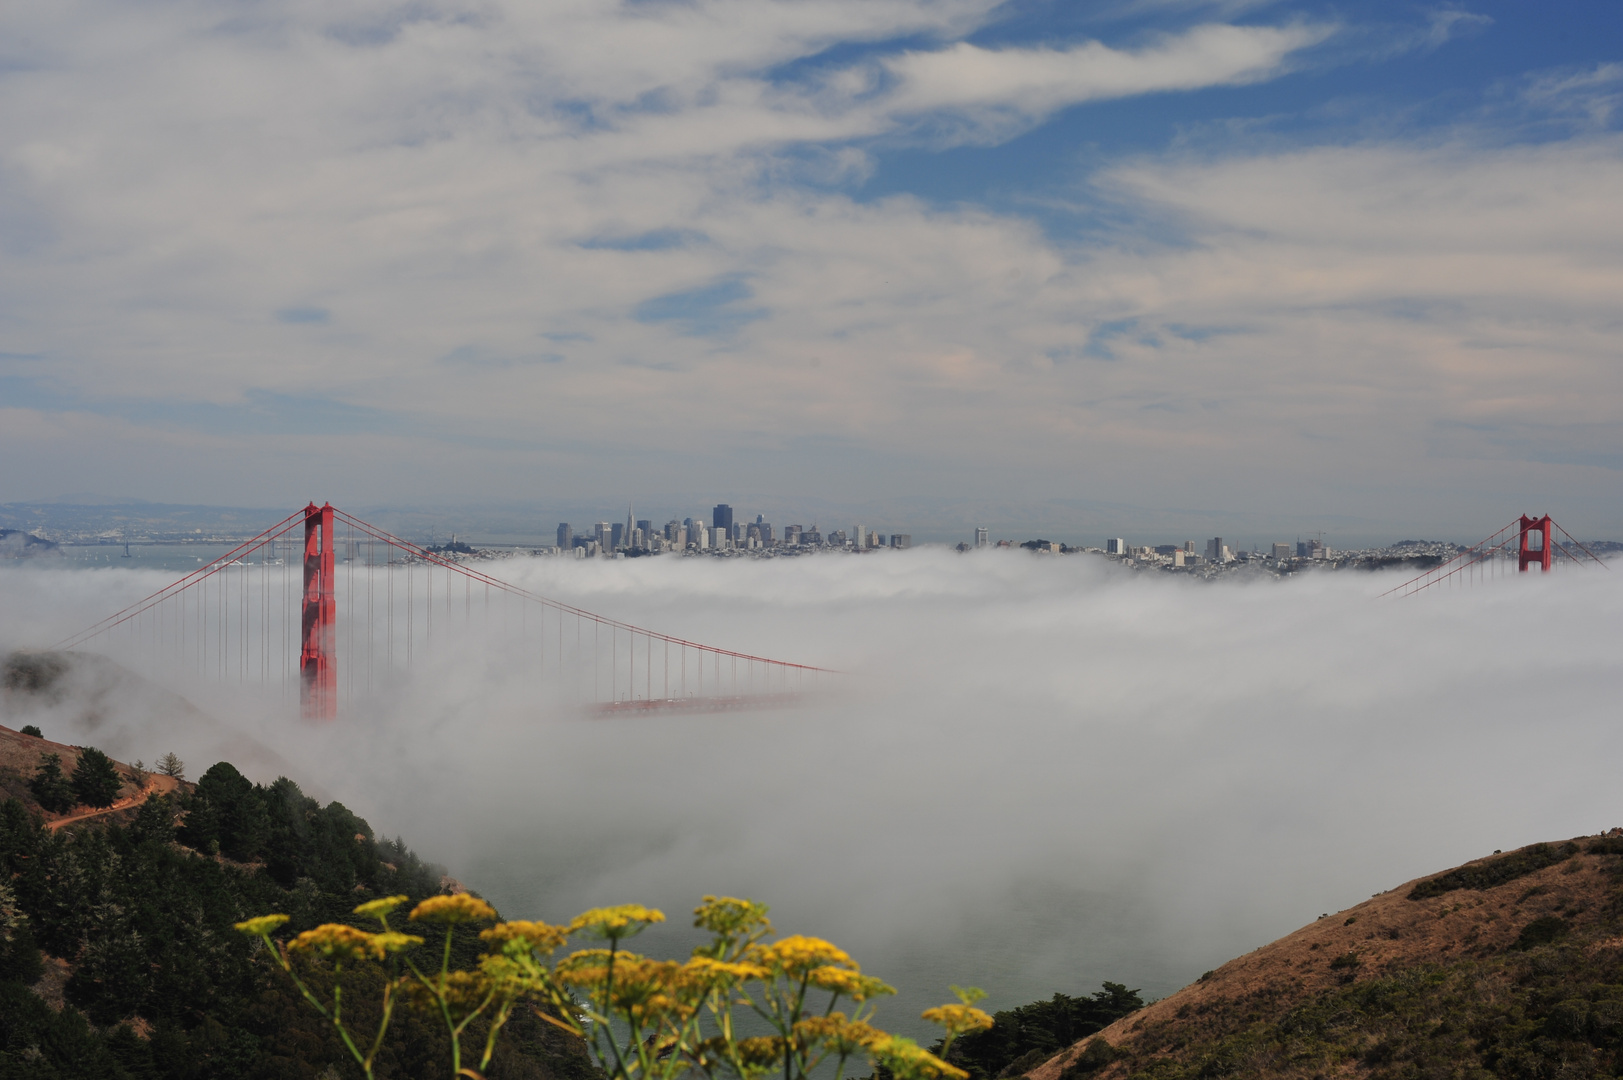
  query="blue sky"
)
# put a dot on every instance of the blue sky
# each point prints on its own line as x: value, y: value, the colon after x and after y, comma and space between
x: 1237, y: 265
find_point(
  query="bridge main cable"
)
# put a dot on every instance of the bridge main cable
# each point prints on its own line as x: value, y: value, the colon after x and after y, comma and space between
x: 207, y: 570
x: 557, y: 605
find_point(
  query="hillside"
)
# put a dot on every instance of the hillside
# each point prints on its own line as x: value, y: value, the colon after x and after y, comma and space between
x: 118, y: 957
x: 1508, y: 966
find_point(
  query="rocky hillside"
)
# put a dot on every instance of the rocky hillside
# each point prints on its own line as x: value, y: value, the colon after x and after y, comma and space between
x: 1509, y: 966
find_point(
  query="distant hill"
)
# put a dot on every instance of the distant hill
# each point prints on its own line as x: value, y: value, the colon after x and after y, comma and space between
x: 16, y: 544
x: 1509, y: 966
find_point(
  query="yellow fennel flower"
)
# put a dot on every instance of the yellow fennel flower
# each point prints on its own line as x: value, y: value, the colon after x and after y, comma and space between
x: 836, y: 1033
x: 760, y: 1052
x: 377, y: 909
x: 261, y: 926
x: 534, y: 935
x: 335, y: 941
x: 798, y: 955
x: 710, y: 970
x: 453, y: 909
x: 390, y: 941
x: 851, y: 984
x: 910, y: 1061
x: 613, y: 923
x: 958, y: 1018
x: 728, y: 915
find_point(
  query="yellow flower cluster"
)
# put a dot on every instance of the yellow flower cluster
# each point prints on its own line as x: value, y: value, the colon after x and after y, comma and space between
x: 839, y: 1034
x: 730, y: 916
x: 453, y: 909
x: 261, y: 926
x: 339, y: 942
x: 851, y: 984
x: 536, y: 936
x: 958, y: 1018
x: 377, y: 909
x: 616, y: 922
x: 798, y: 955
x: 907, y: 1060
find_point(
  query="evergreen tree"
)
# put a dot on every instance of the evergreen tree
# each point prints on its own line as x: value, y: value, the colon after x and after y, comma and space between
x: 95, y: 780
x: 49, y: 787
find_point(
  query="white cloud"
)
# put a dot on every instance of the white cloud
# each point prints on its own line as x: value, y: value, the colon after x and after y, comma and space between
x: 1437, y: 314
x: 1033, y: 82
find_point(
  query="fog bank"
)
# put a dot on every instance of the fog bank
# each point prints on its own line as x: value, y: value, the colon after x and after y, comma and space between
x: 1038, y: 773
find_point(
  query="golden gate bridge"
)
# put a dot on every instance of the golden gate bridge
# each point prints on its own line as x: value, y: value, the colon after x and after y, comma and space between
x: 336, y: 629
x: 1527, y: 542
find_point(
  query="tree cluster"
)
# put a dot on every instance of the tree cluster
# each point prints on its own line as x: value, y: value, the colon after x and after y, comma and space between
x: 1021, y: 1039
x: 95, y: 782
x: 159, y: 983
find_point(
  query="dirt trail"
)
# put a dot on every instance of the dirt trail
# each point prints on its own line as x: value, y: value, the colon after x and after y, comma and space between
x: 155, y: 785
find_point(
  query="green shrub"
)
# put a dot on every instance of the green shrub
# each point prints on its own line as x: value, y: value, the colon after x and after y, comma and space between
x: 1495, y: 871
x: 1541, y: 931
x: 30, y: 729
x: 1094, y: 1056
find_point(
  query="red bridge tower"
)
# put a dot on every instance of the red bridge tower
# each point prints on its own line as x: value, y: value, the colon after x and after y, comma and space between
x: 318, y: 668
x: 1543, y: 553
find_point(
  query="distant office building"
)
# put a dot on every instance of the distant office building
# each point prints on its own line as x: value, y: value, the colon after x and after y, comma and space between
x: 645, y: 525
x: 1167, y: 549
x: 766, y: 532
x: 983, y: 538
x: 736, y: 532
x: 860, y: 534
x: 1310, y: 549
x: 791, y: 535
x: 617, y: 537
x: 1214, y: 549
x: 1115, y: 546
x: 566, y: 535
x: 901, y: 541
x: 722, y: 517
x: 1282, y: 552
x: 603, y: 533
x: 1179, y: 556
x: 838, y: 539
x: 811, y: 537
x: 1189, y: 547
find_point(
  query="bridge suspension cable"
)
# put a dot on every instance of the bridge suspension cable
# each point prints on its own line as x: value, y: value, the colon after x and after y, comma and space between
x: 1527, y: 542
x: 342, y: 624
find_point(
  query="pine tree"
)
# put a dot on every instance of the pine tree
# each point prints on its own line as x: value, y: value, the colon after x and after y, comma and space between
x: 170, y: 765
x: 95, y: 780
x: 49, y: 787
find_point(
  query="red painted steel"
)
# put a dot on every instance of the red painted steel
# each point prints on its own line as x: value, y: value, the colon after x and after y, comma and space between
x: 1545, y: 552
x: 318, y: 668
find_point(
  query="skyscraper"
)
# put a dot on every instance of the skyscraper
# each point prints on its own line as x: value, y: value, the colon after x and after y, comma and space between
x: 722, y: 518
x: 983, y: 538
x: 566, y: 535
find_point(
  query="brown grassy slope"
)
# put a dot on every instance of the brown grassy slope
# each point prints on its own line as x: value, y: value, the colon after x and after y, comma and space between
x: 1388, y: 934
x: 20, y: 756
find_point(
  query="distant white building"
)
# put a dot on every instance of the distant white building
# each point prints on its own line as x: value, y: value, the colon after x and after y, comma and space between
x: 983, y: 538
x: 1115, y: 546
